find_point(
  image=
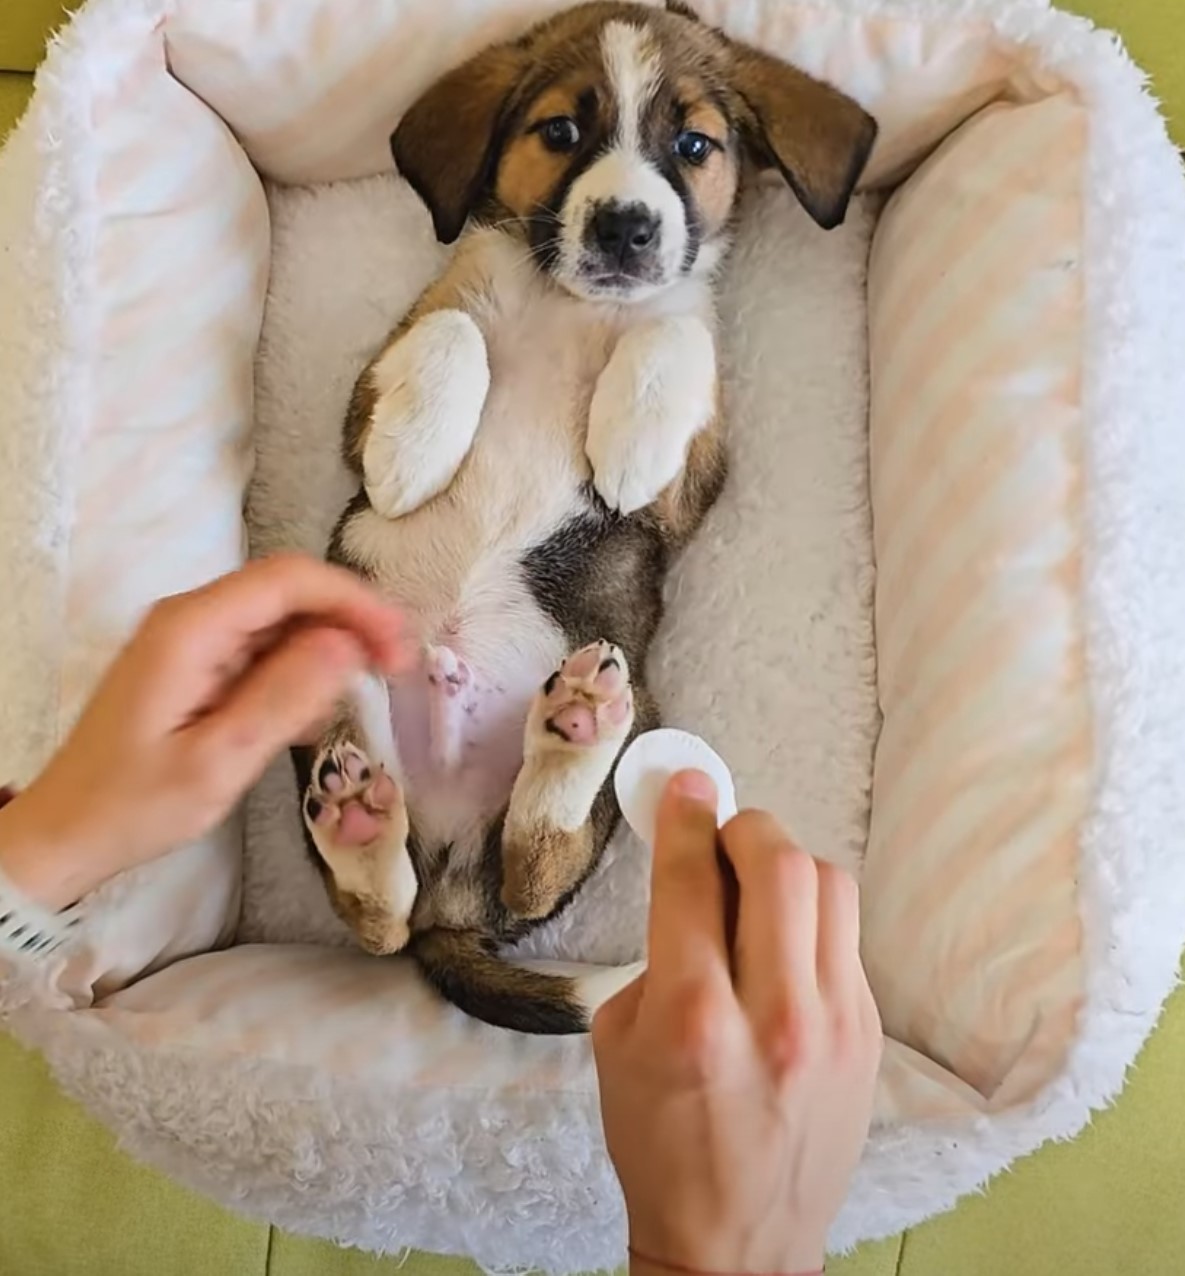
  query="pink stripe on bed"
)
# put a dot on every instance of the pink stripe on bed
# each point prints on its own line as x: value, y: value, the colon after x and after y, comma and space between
x: 971, y: 931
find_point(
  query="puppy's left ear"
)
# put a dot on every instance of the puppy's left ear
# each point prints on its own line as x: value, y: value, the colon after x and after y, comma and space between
x: 447, y: 144
x: 815, y: 135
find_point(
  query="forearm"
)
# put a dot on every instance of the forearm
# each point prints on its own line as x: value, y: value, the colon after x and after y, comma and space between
x: 38, y: 858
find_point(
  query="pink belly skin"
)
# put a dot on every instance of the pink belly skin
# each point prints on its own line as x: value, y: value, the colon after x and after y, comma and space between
x: 459, y: 736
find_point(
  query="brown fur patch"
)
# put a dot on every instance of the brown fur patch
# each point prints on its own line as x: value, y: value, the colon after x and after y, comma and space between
x: 713, y: 185
x: 540, y: 865
x: 444, y: 144
x: 816, y: 136
x: 560, y: 99
x: 368, y: 918
x: 684, y: 505
x: 528, y: 172
x: 527, y: 175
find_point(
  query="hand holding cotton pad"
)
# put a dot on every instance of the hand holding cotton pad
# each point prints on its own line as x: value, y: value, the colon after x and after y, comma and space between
x: 647, y: 766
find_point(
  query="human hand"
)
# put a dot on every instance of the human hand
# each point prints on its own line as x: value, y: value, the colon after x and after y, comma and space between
x: 213, y: 684
x: 737, y: 1074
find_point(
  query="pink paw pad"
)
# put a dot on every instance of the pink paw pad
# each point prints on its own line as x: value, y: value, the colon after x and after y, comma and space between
x: 589, y: 696
x: 357, y: 825
x: 577, y: 724
x: 349, y: 798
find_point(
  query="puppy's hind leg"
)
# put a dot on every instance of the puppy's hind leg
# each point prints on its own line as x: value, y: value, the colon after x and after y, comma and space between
x: 562, y: 808
x: 356, y: 819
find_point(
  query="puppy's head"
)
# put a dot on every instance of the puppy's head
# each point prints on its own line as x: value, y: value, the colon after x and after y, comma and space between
x: 612, y: 138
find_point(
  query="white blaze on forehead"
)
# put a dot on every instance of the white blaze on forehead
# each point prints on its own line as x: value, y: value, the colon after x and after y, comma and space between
x: 623, y: 174
x: 633, y: 67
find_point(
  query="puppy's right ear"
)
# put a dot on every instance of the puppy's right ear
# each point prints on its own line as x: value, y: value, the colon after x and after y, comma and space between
x: 447, y: 143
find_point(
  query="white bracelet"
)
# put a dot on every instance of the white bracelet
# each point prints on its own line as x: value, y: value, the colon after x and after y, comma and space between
x: 29, y: 931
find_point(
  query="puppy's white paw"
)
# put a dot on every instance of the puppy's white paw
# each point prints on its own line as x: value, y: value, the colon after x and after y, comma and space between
x: 357, y: 819
x: 657, y: 392
x: 431, y: 388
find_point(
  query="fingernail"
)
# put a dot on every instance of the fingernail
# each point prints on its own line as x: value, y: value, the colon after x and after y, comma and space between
x: 695, y: 786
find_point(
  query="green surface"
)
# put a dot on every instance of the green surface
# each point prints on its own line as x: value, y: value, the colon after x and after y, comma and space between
x: 24, y: 26
x: 1154, y: 33
x: 14, y: 93
x: 72, y: 1205
x: 1109, y: 1202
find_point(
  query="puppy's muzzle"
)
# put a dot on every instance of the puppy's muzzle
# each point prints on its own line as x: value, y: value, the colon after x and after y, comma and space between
x: 623, y: 237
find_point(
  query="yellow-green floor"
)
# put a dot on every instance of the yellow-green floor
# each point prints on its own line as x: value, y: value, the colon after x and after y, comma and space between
x: 1108, y: 1203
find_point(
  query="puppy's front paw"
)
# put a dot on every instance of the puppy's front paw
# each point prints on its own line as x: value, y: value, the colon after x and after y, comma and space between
x: 656, y: 393
x: 430, y: 388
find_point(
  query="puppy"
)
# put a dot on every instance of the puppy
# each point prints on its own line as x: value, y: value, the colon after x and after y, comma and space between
x: 534, y: 442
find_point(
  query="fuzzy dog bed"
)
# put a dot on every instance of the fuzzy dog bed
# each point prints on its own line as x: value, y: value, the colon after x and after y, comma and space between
x: 957, y: 427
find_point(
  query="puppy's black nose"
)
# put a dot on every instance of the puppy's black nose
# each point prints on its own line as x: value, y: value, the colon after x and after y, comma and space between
x: 624, y: 231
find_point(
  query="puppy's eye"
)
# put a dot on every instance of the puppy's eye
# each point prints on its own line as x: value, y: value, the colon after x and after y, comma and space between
x: 560, y: 134
x: 693, y: 147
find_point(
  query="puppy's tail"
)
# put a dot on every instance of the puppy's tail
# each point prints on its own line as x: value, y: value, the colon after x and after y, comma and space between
x: 537, y: 997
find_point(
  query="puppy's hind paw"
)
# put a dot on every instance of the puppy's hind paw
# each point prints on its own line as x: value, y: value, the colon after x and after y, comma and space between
x: 589, y: 700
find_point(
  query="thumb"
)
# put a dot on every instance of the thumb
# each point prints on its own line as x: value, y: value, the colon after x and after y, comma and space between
x: 296, y: 685
x: 617, y: 1016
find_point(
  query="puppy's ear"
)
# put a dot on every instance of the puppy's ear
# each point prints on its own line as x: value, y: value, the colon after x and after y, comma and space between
x: 815, y: 135
x: 447, y: 144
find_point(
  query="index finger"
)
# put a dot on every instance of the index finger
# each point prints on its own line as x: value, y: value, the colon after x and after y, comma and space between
x: 272, y: 592
x: 778, y: 921
x: 687, y: 942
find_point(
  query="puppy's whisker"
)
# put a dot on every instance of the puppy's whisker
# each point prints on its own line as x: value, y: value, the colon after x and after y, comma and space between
x: 503, y: 223
x: 542, y: 213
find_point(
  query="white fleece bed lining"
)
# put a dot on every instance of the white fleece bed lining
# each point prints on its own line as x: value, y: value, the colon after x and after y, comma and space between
x: 349, y: 258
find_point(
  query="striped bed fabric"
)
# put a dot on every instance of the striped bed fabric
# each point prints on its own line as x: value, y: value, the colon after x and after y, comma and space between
x: 983, y: 769
x: 178, y: 289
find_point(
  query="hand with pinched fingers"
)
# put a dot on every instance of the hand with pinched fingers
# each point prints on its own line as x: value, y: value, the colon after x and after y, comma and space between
x: 212, y: 685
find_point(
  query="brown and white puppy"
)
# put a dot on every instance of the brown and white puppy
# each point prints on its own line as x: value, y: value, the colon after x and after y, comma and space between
x: 535, y: 441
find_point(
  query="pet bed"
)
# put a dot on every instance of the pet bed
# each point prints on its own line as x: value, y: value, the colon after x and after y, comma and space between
x: 992, y: 416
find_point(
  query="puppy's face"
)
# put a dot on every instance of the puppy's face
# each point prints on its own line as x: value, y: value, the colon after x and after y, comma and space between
x: 623, y: 169
x: 612, y: 138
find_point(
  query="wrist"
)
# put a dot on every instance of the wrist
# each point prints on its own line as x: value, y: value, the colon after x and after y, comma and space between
x: 39, y: 857
x: 706, y: 1254
x: 644, y: 1265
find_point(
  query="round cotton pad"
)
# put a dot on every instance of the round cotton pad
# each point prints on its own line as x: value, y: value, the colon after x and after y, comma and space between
x: 648, y: 764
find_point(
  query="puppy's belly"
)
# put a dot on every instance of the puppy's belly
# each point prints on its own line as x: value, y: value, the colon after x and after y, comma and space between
x: 459, y: 718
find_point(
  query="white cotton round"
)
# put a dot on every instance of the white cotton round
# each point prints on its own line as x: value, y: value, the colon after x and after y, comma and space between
x: 649, y: 763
